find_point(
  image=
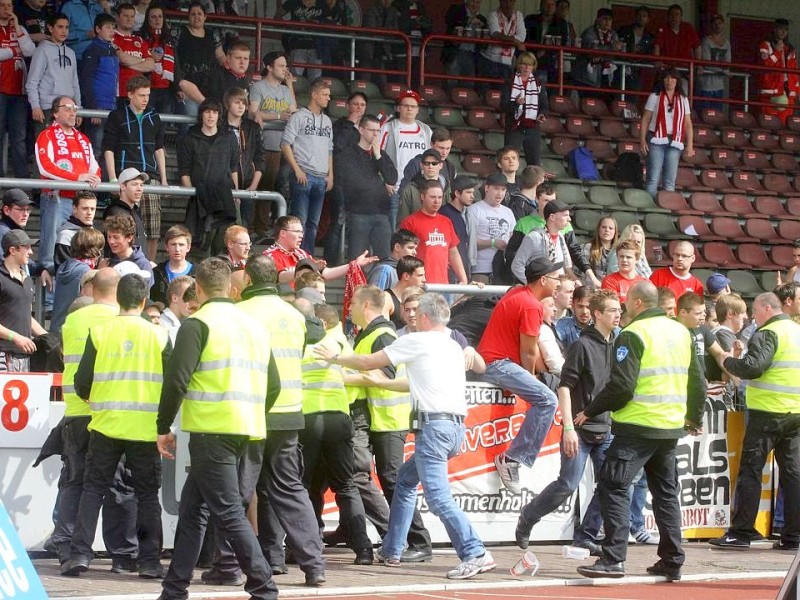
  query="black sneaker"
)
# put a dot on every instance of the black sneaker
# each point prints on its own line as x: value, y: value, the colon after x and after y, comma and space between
x: 523, y: 532
x: 730, y: 542
x: 661, y: 569
x: 156, y: 571
x: 594, y: 548
x: 781, y: 545
x: 216, y: 577
x: 124, y: 564
x: 603, y: 568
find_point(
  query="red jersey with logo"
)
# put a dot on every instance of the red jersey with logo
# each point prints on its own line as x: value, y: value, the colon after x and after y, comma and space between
x: 436, y: 237
x: 620, y: 285
x: 12, y: 64
x: 164, y: 55
x: 666, y: 277
x: 65, y: 156
x: 135, y: 46
x: 285, y: 259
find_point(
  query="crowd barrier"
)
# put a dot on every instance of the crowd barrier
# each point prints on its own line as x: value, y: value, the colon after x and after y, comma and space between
x: 707, y: 466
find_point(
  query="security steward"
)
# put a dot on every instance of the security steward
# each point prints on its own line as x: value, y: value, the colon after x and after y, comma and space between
x: 384, y: 413
x: 327, y: 439
x: 656, y: 391
x: 224, y: 375
x: 75, y: 432
x: 284, y: 508
x: 771, y: 369
x: 120, y: 374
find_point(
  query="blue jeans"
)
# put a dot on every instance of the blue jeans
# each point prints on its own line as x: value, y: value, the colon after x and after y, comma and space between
x: 638, y: 494
x: 662, y: 163
x: 14, y: 121
x: 565, y: 485
x: 435, y: 443
x: 510, y: 376
x: 54, y: 213
x: 368, y: 232
x: 306, y: 205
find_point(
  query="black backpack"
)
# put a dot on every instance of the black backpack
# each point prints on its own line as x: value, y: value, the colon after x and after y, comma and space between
x: 628, y: 169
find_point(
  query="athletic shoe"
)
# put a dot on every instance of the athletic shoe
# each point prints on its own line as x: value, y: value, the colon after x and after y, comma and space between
x: 508, y: 470
x: 603, y: 567
x: 670, y: 572
x: 645, y: 537
x: 389, y: 561
x: 216, y: 577
x: 781, y: 545
x: 730, y: 542
x: 523, y: 533
x: 473, y: 566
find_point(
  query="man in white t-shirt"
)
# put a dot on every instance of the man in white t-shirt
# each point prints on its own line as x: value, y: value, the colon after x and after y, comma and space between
x: 492, y: 223
x: 435, y: 365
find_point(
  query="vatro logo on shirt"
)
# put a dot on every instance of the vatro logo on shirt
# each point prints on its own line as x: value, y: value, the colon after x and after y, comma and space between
x: 622, y: 353
x: 436, y: 239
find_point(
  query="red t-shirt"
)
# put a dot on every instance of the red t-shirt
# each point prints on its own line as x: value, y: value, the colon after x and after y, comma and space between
x: 436, y: 237
x: 135, y: 46
x: 665, y: 277
x: 677, y: 45
x: 618, y: 284
x: 519, y: 311
x: 285, y: 259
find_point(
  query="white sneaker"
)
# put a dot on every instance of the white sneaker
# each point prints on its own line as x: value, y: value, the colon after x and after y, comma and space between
x: 473, y: 566
x: 508, y: 471
x: 644, y: 537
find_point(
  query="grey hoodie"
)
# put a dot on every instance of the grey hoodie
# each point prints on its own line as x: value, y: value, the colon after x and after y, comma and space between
x: 53, y: 73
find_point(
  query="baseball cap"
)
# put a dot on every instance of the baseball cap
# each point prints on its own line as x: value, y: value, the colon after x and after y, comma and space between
x: 717, y: 282
x: 130, y: 174
x: 127, y: 267
x: 16, y: 238
x: 553, y: 207
x: 409, y: 94
x: 604, y: 12
x: 431, y: 153
x: 16, y: 197
x: 497, y: 179
x: 539, y: 267
x: 464, y: 182
x: 306, y: 263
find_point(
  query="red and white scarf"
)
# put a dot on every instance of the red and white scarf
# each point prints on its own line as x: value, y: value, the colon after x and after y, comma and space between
x: 677, y: 112
x: 525, y: 114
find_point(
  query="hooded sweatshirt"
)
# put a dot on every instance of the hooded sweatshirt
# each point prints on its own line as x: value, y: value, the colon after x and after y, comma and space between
x: 139, y: 259
x: 68, y: 286
x: 64, y: 240
x: 53, y: 73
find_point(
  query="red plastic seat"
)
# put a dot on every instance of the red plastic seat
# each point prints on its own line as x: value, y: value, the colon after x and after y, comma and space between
x: 563, y: 105
x: 695, y: 226
x: 733, y: 138
x: 700, y: 158
x: 580, y: 126
x: 480, y: 164
x: 635, y: 129
x: 754, y: 256
x: 492, y: 98
x: 782, y: 255
x: 737, y: 204
x: 785, y: 162
x: 793, y: 123
x: 769, y: 206
x: 793, y: 206
x: 743, y: 120
x: 760, y: 229
x: 482, y: 119
x: 724, y: 157
x: 434, y: 95
x: 705, y: 136
x: 789, y: 230
x: 563, y: 145
x: 465, y: 97
x: 601, y: 150
x: 552, y: 126
x: 789, y: 141
x: 629, y: 146
x: 624, y: 109
x: 392, y: 90
x: 714, y: 117
x: 675, y: 203
x: 687, y: 179
x: 764, y: 140
x: 612, y: 128
x: 749, y: 182
x: 753, y: 159
x: 721, y: 255
x: 769, y: 122
x: 728, y: 228
x: 716, y: 179
x: 466, y: 140
x: 707, y: 203
x: 595, y: 108
x: 778, y: 184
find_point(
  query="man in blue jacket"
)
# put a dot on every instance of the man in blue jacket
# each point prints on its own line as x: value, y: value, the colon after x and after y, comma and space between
x: 98, y: 74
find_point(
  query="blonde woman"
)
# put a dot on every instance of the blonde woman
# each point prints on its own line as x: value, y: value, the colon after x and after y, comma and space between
x: 636, y: 233
x: 524, y: 103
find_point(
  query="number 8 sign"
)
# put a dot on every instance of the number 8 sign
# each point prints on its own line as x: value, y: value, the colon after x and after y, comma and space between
x: 24, y: 409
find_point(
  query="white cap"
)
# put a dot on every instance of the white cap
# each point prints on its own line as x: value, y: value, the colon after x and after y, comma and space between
x: 127, y: 267
x: 130, y: 173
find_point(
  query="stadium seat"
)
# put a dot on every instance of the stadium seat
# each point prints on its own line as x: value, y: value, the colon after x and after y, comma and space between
x: 704, y: 273
x: 604, y: 196
x: 743, y: 120
x: 754, y: 256
x: 601, y: 150
x: 714, y: 117
x: 733, y: 138
x: 434, y: 95
x: 466, y: 140
x: 562, y: 145
x: 705, y: 137
x: 635, y: 129
x: 700, y: 158
x: 738, y: 204
x: 464, y: 96
x: 686, y: 179
x: 639, y: 199
x: 661, y: 226
x: 449, y: 117
x: 625, y: 218
x: 769, y: 280
x: 749, y: 182
x: 562, y: 105
x: 793, y: 123
x: 629, y: 146
x: 764, y: 140
x: 586, y: 220
x: 482, y: 119
x: 721, y: 255
x: 777, y: 184
x: 301, y: 85
x: 494, y: 140
x: 717, y: 180
x: 789, y: 141
x: 785, y: 162
x: 387, y: 108
x: 625, y: 109
x: 365, y: 87
x: 552, y: 126
x: 744, y: 283
x: 612, y: 128
x: 571, y: 193
x: 675, y: 203
x: 580, y: 126
x: 649, y: 252
x: 556, y: 168
x: 480, y: 164
x: 595, y: 108
x: 393, y: 90
x: 768, y: 121
x: 337, y: 108
x: 770, y: 206
x: 793, y: 206
x: 492, y: 98
x: 755, y: 160
x: 724, y: 157
x: 782, y: 256
x: 338, y: 88
x: 695, y: 226
x: 728, y: 228
x: 760, y: 229
x: 707, y: 203
x: 789, y: 230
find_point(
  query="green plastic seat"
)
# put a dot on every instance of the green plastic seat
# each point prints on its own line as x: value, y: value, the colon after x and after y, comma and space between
x: 301, y: 85
x: 585, y: 220
x: 570, y: 193
x: 448, y: 117
x: 661, y: 225
x: 338, y: 109
x: 640, y: 199
x: 624, y: 219
x: 744, y: 282
x: 604, y: 196
x: 338, y: 88
x: 494, y: 140
x: 365, y: 87
x: 769, y: 279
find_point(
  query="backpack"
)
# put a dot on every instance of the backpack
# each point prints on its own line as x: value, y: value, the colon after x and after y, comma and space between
x: 581, y: 164
x: 628, y: 169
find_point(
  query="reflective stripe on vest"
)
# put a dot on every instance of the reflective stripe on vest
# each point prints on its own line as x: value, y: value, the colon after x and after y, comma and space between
x: 128, y: 366
x: 227, y: 396
x: 323, y: 383
x: 659, y: 399
x: 388, y: 410
x: 287, y: 328
x: 74, y: 333
x: 777, y: 390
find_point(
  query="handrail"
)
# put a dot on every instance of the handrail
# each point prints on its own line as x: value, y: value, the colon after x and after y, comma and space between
x: 353, y: 34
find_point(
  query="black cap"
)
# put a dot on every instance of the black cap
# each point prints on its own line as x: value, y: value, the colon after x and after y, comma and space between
x: 306, y: 263
x: 16, y: 197
x: 539, y: 267
x: 497, y: 179
x: 781, y: 22
x: 553, y: 207
x: 463, y: 182
x: 604, y: 12
x: 16, y: 238
x: 431, y: 153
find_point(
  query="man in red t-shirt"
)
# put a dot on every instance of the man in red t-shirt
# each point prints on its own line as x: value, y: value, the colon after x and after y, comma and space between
x: 621, y: 281
x: 438, y: 242
x: 677, y: 277
x: 510, y: 347
x: 677, y: 38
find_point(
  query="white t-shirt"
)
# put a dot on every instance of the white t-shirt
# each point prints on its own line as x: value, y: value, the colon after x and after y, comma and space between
x: 435, y: 366
x: 498, y: 23
x: 652, y: 106
x: 491, y: 222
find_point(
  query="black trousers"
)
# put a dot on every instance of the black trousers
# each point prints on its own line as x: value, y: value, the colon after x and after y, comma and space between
x: 766, y: 432
x: 624, y: 458
x: 327, y: 443
x: 375, y: 507
x: 102, y: 462
x: 529, y: 140
x: 284, y: 508
x: 212, y: 488
x: 248, y: 470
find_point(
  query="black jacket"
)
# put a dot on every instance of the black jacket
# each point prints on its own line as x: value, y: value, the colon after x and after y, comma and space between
x: 251, y: 153
x: 209, y: 158
x: 117, y: 208
x: 624, y: 374
x: 134, y: 141
x: 587, y: 367
x: 760, y: 351
x: 363, y: 178
x: 158, y: 293
x: 508, y: 107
